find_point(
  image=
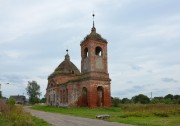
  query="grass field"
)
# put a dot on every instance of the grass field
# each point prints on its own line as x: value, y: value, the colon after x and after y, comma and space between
x: 14, y: 115
x: 34, y: 122
x: 138, y: 114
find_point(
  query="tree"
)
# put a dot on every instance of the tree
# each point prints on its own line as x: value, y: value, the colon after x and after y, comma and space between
x: 116, y: 101
x: 176, y: 97
x: 33, y: 90
x: 169, y: 96
x: 141, y: 99
x: 43, y: 100
x: 125, y: 101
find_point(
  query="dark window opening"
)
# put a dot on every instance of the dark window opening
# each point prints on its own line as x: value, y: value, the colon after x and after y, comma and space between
x: 72, y: 72
x: 54, y: 98
x: 98, y: 51
x: 66, y: 95
x: 86, y: 52
x: 100, y: 96
x: 84, y: 97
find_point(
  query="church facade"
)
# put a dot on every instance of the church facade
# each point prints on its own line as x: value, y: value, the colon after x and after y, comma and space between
x: 67, y: 86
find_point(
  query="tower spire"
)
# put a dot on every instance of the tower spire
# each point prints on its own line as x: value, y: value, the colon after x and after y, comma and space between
x: 67, y: 55
x: 93, y: 28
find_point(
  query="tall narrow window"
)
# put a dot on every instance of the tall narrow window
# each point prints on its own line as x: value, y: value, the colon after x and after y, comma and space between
x: 54, y: 98
x: 86, y: 52
x: 84, y: 97
x: 49, y: 98
x: 100, y: 96
x: 98, y: 51
x: 60, y: 96
x: 66, y: 95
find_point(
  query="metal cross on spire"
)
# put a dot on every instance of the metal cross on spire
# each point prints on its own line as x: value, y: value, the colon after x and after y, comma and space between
x: 93, y: 18
x: 67, y: 51
x: 93, y: 28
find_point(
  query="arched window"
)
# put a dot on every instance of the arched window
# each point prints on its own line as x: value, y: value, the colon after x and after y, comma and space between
x: 100, y: 96
x: 98, y: 51
x: 86, y: 52
x: 66, y: 95
x: 54, y: 98
x: 49, y: 99
x: 84, y: 97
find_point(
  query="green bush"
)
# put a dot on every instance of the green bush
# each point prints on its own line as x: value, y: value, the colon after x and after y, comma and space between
x: 11, y: 101
x: 116, y: 101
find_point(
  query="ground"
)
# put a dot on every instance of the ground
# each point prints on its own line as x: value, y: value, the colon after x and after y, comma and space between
x: 65, y: 120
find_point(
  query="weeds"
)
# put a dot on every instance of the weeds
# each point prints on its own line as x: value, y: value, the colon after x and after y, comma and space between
x: 140, y: 110
x: 14, y: 115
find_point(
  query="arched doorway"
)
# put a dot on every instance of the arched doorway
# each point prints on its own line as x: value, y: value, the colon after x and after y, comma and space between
x: 84, y: 97
x: 100, y: 96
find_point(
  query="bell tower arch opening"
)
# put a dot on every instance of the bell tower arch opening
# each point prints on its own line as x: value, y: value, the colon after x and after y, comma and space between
x: 98, y: 51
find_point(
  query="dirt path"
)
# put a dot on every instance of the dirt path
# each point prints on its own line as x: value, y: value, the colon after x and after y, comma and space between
x: 66, y: 120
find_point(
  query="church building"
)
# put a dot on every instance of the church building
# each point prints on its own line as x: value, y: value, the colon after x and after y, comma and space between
x: 69, y: 87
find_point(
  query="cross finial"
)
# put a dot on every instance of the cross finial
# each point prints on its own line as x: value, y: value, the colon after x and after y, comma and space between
x: 67, y: 51
x: 93, y: 28
x: 93, y: 18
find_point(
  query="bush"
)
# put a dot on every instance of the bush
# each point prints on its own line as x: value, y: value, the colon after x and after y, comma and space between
x: 11, y: 101
x: 3, y: 107
x: 125, y: 101
x: 116, y: 101
x: 19, y: 117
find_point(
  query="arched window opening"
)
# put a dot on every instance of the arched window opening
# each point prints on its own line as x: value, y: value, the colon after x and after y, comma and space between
x: 64, y: 98
x: 66, y: 95
x: 86, y: 52
x: 60, y: 96
x: 72, y: 72
x: 84, y: 97
x: 54, y: 98
x: 98, y: 51
x: 100, y: 96
x: 49, y: 99
x: 51, y: 84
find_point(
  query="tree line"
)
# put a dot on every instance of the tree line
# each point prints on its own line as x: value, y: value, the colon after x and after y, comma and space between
x: 143, y: 99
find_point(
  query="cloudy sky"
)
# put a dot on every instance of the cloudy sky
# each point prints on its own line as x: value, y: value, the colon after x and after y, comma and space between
x: 143, y: 42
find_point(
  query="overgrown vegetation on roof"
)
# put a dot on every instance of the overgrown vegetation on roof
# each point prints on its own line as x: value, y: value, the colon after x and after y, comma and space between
x: 94, y: 36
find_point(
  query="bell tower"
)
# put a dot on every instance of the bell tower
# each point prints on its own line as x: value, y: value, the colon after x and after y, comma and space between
x: 94, y: 69
x: 94, y: 53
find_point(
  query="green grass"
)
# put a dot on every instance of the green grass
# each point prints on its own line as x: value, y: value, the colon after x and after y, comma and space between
x: 40, y: 122
x: 142, y: 115
x: 35, y: 122
x: 14, y: 115
x: 4, y: 121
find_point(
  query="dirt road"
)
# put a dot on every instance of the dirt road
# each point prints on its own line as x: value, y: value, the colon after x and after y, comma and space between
x: 66, y: 120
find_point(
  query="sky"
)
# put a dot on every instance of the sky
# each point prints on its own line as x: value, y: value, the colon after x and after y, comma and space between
x: 143, y: 42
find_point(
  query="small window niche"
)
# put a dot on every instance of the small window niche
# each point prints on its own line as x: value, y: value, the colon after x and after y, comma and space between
x: 98, y: 51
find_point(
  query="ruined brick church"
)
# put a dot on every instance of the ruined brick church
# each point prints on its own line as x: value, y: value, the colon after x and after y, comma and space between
x: 67, y: 86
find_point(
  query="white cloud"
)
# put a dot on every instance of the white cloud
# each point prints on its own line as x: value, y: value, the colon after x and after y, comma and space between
x: 143, y: 43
